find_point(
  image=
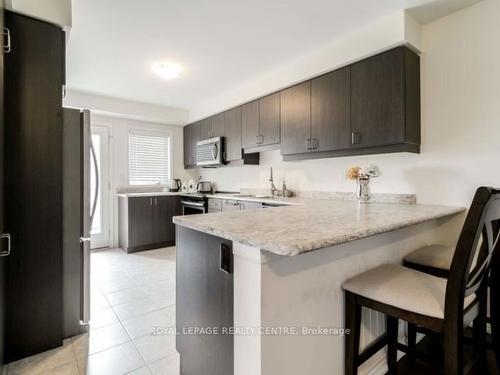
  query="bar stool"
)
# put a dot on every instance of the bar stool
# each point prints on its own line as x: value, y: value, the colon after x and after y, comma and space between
x: 433, y: 259
x: 436, y: 260
x: 443, y: 306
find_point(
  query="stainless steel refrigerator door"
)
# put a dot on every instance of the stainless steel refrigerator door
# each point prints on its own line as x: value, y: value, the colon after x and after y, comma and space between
x: 72, y: 221
x: 87, y: 221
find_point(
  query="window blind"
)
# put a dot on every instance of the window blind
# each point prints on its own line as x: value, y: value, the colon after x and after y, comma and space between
x: 149, y: 158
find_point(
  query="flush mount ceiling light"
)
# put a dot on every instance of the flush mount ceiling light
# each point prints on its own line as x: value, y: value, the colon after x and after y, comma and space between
x: 167, y: 70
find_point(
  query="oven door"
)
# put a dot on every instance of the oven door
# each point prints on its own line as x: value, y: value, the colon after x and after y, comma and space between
x: 193, y: 208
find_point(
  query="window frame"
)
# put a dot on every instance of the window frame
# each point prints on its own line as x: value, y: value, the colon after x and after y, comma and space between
x: 151, y: 133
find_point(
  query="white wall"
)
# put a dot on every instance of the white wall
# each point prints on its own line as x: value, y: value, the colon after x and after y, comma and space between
x: 460, y: 123
x: 392, y: 30
x: 54, y: 11
x: 109, y: 106
x: 118, y: 158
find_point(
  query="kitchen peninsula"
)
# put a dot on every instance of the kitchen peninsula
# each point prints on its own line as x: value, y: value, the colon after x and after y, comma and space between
x: 276, y: 274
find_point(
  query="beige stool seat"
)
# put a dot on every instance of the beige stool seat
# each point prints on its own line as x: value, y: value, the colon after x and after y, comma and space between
x: 404, y: 288
x: 434, y: 256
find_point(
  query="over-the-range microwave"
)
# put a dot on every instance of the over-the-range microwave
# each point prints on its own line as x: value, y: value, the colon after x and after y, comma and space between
x: 210, y: 152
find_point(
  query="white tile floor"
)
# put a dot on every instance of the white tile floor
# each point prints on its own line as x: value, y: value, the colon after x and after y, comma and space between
x: 132, y: 294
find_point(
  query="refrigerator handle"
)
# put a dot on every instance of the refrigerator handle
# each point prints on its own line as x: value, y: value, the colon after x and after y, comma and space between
x: 96, y: 193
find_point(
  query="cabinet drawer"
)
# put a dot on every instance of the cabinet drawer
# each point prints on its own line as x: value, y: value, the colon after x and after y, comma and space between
x: 215, y: 204
x: 230, y: 205
x: 250, y: 205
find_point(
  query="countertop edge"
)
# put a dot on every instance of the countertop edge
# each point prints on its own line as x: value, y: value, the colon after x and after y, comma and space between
x: 338, y: 240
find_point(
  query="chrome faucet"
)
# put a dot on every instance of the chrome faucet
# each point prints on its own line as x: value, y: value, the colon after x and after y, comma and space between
x: 273, y: 187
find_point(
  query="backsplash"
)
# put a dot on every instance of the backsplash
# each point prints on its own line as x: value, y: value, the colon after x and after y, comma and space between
x: 344, y: 196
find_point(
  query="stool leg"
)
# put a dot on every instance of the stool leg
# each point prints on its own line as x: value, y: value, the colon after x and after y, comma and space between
x: 453, y: 349
x: 479, y: 332
x: 412, y: 336
x: 392, y: 341
x: 353, y: 324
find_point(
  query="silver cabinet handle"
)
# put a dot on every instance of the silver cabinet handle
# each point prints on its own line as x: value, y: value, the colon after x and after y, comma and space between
x: 7, y: 47
x: 308, y: 144
x: 150, y: 201
x: 5, y: 253
x: 355, y: 138
x: 315, y: 144
x: 156, y: 201
x: 85, y: 239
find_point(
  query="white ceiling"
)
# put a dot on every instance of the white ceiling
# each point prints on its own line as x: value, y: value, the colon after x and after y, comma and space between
x: 221, y: 43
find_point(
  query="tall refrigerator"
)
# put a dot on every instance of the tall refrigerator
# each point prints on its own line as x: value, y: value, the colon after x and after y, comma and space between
x: 79, y: 161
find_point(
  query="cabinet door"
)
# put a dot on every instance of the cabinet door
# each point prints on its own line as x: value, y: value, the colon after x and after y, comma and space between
x: 194, y: 138
x: 174, y: 209
x: 218, y: 125
x: 140, y: 221
x: 296, y: 119
x: 249, y: 205
x: 164, y: 209
x: 187, y: 145
x: 269, y: 119
x: 330, y: 111
x: 33, y: 176
x: 214, y: 204
x: 206, y: 128
x: 230, y: 205
x: 232, y: 120
x: 250, y: 124
x: 2, y: 259
x: 204, y: 298
x: 161, y: 213
x: 377, y: 100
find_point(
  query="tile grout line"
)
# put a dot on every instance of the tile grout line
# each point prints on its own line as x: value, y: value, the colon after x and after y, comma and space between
x: 76, y: 359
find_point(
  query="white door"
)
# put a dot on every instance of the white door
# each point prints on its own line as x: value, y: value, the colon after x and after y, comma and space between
x: 100, y: 225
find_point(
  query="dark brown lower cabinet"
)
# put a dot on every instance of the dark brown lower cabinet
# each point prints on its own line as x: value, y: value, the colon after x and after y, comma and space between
x: 204, y: 299
x: 34, y: 74
x: 146, y: 222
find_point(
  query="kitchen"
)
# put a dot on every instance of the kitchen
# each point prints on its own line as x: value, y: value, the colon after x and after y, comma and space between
x: 251, y: 188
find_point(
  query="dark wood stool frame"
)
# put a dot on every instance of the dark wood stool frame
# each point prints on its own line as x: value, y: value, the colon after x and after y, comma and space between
x: 494, y: 286
x: 462, y: 282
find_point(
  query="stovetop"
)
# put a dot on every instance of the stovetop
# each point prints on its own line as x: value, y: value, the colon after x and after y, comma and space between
x: 201, y: 195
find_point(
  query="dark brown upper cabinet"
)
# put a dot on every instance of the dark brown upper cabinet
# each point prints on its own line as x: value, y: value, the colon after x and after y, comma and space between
x: 330, y: 111
x: 296, y: 119
x: 191, y: 136
x: 206, y: 128
x: 218, y: 126
x: 385, y: 100
x: 250, y: 124
x: 232, y: 131
x: 261, y: 123
x: 369, y: 107
x: 227, y: 125
x: 269, y: 119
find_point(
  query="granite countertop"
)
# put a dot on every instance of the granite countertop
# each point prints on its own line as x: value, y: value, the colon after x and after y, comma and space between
x: 312, y: 224
x: 150, y: 194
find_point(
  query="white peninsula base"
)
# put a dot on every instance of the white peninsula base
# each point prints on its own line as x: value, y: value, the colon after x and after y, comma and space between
x: 272, y: 291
